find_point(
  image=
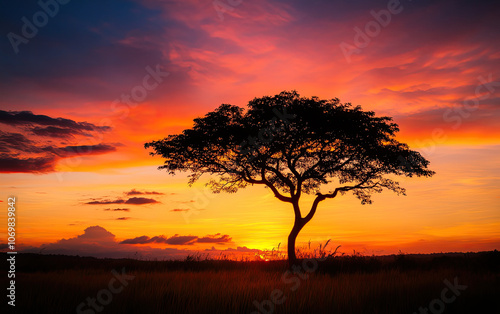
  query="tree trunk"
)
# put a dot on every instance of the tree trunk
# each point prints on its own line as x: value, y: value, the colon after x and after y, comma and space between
x: 297, y: 226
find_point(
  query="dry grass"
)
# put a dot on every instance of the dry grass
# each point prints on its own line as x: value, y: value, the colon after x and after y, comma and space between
x: 232, y: 287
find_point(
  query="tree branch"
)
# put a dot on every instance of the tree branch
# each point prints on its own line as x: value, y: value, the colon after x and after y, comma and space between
x: 348, y: 188
x: 277, y: 194
x: 321, y: 197
x: 329, y: 170
x: 283, y: 178
x: 314, y: 206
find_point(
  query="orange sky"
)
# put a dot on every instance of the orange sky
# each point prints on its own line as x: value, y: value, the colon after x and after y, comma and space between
x: 81, y: 142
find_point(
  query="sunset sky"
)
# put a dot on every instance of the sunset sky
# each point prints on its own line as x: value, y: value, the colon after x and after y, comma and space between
x: 84, y: 86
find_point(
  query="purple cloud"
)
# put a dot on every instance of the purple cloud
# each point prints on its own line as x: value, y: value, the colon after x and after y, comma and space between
x: 135, y: 192
x: 216, y: 238
x: 117, y: 209
x: 130, y: 201
x: 140, y: 201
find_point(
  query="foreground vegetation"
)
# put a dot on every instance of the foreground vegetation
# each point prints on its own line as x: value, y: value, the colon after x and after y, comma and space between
x: 345, y: 284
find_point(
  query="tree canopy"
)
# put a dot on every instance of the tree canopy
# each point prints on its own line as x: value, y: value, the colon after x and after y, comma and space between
x: 293, y: 145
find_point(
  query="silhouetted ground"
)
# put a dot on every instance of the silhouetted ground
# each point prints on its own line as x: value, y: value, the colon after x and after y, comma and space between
x: 442, y: 283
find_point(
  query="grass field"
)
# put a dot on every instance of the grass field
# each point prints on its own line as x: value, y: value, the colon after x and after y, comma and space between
x: 347, y: 284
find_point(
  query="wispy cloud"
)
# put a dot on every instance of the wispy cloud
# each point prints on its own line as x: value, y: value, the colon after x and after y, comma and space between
x: 174, y: 240
x: 48, y: 142
x: 136, y: 192
x: 130, y: 201
x: 117, y: 209
x: 180, y: 240
x: 52, y: 126
x: 216, y: 238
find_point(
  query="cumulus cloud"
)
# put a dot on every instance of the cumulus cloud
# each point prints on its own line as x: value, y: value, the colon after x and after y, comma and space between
x: 95, y: 233
x: 95, y: 240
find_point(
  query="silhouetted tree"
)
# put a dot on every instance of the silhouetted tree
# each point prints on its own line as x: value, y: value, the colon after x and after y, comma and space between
x: 293, y: 145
